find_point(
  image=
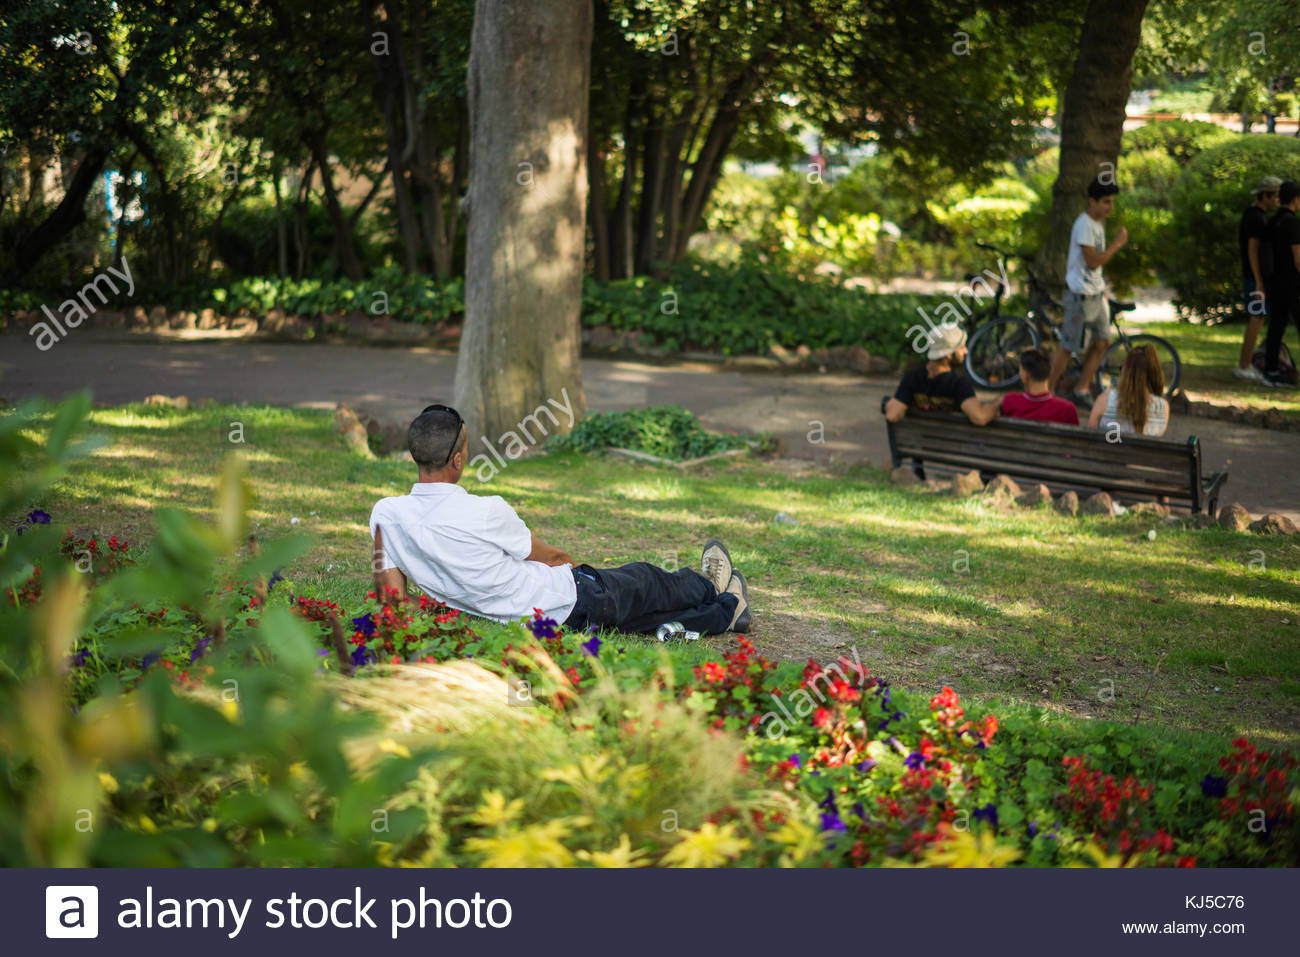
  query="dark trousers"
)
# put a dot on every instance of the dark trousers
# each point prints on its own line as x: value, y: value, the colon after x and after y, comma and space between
x: 639, y: 597
x: 1284, y: 306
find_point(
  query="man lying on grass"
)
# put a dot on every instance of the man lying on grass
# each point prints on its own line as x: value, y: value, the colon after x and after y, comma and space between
x: 474, y: 553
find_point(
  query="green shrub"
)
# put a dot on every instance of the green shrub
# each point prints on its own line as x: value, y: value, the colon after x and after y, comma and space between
x: 668, y: 431
x: 1203, y: 263
x: 1182, y: 140
x: 749, y: 306
x: 1142, y: 207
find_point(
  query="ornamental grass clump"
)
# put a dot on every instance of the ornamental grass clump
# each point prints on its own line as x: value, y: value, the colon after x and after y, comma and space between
x: 614, y: 777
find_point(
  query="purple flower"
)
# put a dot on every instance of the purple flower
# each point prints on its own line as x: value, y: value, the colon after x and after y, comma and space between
x: 361, y: 655
x: 832, y: 822
x: 914, y: 761
x: 828, y: 802
x: 200, y: 649
x: 149, y: 660
x: 1033, y: 828
x: 860, y: 811
x: 80, y: 658
x: 988, y: 812
x: 592, y: 647
x: 896, y: 716
x: 38, y: 517
x: 275, y: 577
x: 866, y: 765
x: 364, y: 624
x: 796, y: 761
x: 544, y: 628
x: 322, y: 651
x: 1214, y: 786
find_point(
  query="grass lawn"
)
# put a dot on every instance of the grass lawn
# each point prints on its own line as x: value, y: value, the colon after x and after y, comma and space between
x: 1194, y: 630
x: 1209, y: 354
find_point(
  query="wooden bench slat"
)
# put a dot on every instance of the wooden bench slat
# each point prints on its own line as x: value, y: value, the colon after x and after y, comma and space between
x: 1062, y: 457
x: 1067, y: 477
x: 1026, y: 457
x: 993, y: 438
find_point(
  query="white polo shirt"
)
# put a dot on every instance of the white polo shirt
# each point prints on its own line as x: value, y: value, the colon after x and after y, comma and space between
x: 471, y: 552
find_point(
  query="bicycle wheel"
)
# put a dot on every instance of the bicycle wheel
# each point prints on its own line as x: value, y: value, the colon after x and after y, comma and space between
x: 993, y: 353
x: 1113, y: 361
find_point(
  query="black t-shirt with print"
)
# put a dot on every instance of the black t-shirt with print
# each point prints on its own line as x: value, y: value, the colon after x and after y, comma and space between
x: 1285, y: 229
x: 1253, y: 225
x: 944, y: 393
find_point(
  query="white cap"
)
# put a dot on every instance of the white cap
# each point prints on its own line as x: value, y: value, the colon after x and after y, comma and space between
x: 945, y: 340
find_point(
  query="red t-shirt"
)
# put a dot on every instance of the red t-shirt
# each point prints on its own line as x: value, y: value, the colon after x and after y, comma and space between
x: 1044, y: 407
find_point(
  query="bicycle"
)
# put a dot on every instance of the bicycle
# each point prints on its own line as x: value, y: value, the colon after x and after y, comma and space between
x: 995, y: 341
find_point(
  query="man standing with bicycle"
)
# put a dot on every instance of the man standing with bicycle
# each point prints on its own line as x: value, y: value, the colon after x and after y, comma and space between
x: 1085, y: 295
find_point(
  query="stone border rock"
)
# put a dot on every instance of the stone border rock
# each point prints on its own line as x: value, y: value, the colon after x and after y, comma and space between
x: 1273, y: 418
x: 1004, y: 490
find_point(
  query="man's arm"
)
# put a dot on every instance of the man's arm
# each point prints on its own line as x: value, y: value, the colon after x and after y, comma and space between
x: 548, y: 554
x: 1096, y: 260
x: 385, y: 577
x: 1252, y: 253
x: 1295, y: 254
x: 981, y: 413
x: 895, y: 410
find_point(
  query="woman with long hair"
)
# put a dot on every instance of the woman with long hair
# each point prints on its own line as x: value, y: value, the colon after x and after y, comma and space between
x: 1137, y: 406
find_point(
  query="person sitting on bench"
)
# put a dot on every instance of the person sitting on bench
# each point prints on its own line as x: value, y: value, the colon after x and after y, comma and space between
x: 1137, y: 406
x: 1037, y: 401
x: 474, y: 553
x: 937, y: 386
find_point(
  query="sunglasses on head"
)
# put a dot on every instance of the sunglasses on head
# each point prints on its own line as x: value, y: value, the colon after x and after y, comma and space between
x: 436, y: 407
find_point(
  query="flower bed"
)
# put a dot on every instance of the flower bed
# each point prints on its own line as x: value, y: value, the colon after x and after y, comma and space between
x: 203, y: 713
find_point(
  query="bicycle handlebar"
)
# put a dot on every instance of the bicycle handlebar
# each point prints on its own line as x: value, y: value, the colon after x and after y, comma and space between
x: 1029, y: 263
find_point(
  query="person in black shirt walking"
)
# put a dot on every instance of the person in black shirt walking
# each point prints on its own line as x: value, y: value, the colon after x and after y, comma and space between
x: 1284, y: 286
x: 1252, y: 233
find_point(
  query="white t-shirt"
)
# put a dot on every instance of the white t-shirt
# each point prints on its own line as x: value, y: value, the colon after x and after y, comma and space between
x: 471, y: 552
x: 1086, y: 232
x: 1157, y: 415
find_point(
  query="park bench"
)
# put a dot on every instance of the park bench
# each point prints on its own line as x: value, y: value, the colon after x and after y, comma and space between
x: 1062, y: 457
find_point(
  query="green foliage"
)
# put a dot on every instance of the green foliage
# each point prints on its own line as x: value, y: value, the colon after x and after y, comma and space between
x: 1206, y: 204
x: 891, y: 215
x: 749, y: 306
x: 668, y: 431
x: 1181, y: 139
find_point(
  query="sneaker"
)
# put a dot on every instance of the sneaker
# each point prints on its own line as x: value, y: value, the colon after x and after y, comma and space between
x: 1277, y: 380
x: 743, y: 617
x: 715, y: 564
x: 1081, y: 399
x: 1249, y: 373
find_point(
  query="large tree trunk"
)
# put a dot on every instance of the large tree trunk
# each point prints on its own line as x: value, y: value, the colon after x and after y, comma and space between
x: 596, y: 210
x: 63, y: 219
x: 529, y: 72
x: 1092, y: 121
x: 344, y: 249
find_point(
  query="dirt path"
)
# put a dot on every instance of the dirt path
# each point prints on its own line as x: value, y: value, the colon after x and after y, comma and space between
x: 816, y: 416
